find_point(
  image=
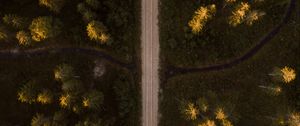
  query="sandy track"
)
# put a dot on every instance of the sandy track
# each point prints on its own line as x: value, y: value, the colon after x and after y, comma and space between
x: 150, y: 62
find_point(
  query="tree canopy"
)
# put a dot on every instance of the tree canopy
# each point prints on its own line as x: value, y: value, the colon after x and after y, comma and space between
x: 53, y: 5
x: 45, y: 27
x: 97, y: 31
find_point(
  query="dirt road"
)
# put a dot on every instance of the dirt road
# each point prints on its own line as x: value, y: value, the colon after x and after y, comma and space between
x: 150, y: 62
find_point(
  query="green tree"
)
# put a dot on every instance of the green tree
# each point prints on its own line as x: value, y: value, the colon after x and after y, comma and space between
x: 45, y: 27
x: 23, y: 38
x: 64, y: 72
x: 14, y: 20
x: 202, y: 104
x: 3, y: 34
x: 97, y: 31
x: 254, y: 16
x: 40, y: 120
x: 73, y: 86
x: 53, y: 5
x: 45, y: 97
x: 28, y: 93
x: 87, y: 14
x: 93, y: 99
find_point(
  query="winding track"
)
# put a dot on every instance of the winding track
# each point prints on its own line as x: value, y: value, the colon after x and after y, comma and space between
x: 16, y: 53
x: 173, y: 70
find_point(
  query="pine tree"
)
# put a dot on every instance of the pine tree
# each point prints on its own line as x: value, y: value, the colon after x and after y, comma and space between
x: 44, y: 27
x: 64, y: 72
x: 53, y: 5
x: 23, y: 38
x: 40, y: 120
x: 201, y: 16
x: 239, y: 14
x: 93, y: 100
x: 14, y: 20
x: 28, y: 93
x: 45, y: 97
x: 97, y: 31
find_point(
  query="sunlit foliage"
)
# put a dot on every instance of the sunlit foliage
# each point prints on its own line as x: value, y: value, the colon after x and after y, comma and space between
x: 45, y: 97
x: 14, y: 20
x: 28, y: 93
x: 190, y: 111
x: 63, y: 72
x: 3, y: 35
x: 53, y: 5
x: 44, y: 27
x: 201, y: 16
x: 207, y: 123
x: 220, y: 114
x: 288, y: 74
x: 24, y: 38
x: 226, y: 122
x: 65, y: 100
x: 93, y: 99
x: 254, y: 16
x: 40, y: 120
x: 97, y: 31
x: 239, y: 14
x: 294, y: 119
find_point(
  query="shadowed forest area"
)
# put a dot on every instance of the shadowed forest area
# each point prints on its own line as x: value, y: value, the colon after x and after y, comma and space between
x: 260, y: 90
x: 69, y: 62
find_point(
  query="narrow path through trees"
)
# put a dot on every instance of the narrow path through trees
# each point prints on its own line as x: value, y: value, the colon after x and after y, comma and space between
x: 173, y: 70
x: 18, y: 54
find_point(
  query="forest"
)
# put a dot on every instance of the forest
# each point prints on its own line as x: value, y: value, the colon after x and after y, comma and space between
x: 229, y: 63
x: 69, y: 62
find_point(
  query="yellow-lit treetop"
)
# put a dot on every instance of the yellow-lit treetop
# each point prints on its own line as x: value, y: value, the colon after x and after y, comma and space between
x: 288, y: 74
x: 97, y: 31
x: 201, y: 16
x: 294, y: 119
x: 191, y: 112
x: 207, y: 123
x: 24, y: 38
x: 45, y: 97
x: 239, y: 14
x: 64, y: 100
x: 220, y: 114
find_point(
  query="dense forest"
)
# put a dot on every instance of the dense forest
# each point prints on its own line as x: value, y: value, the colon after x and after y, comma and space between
x: 229, y: 63
x: 69, y: 62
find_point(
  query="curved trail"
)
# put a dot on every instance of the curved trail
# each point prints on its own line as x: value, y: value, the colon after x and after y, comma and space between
x: 172, y: 70
x: 17, y: 54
